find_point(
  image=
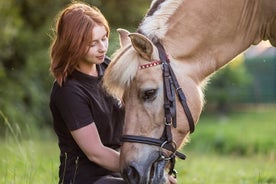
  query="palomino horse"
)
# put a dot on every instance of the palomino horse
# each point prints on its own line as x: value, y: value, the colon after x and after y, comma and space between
x: 184, y: 39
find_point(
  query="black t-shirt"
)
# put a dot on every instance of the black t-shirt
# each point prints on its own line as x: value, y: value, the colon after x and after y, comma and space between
x: 79, y: 102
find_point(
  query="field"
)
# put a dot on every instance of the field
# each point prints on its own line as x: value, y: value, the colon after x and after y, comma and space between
x: 235, y: 149
x: 239, y: 149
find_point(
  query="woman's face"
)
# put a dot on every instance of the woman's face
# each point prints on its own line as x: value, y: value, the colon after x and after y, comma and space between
x: 98, y: 46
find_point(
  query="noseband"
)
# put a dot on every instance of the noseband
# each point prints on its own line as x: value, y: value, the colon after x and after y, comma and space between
x: 171, y: 87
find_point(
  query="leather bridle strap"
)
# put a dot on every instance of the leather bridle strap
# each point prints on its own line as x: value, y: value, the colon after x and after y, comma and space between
x: 178, y: 89
x: 171, y: 87
x: 183, y: 101
x: 152, y: 141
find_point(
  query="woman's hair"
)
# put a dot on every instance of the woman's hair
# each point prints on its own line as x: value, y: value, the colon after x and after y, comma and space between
x: 72, y: 36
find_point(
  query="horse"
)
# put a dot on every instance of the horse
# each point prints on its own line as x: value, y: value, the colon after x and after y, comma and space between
x: 160, y: 72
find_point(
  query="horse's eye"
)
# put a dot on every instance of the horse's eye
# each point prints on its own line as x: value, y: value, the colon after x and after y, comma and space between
x: 149, y: 95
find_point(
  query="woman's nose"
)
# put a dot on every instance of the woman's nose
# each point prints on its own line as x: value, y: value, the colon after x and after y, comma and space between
x: 102, y: 47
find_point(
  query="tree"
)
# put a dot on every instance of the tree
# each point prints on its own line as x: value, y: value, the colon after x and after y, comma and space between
x: 24, y: 54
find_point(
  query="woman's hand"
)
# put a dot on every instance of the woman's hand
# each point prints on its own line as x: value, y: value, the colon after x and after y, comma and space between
x: 172, y: 179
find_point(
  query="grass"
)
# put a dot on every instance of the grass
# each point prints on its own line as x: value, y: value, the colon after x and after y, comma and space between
x: 28, y: 163
x: 235, y: 149
x: 27, y: 158
x: 205, y: 168
x: 241, y: 133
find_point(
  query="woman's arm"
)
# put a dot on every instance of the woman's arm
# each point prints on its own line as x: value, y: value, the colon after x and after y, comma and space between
x: 90, y: 143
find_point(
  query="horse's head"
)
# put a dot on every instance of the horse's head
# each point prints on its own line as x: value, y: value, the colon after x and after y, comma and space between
x: 200, y: 37
x: 135, y: 76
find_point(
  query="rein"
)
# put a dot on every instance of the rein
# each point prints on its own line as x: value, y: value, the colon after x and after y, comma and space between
x: 171, y: 87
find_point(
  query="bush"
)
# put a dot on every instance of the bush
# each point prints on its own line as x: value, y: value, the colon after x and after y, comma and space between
x: 227, y: 86
x: 24, y: 54
x: 244, y: 133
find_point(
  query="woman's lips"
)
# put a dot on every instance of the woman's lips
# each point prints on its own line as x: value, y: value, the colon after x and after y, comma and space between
x: 100, y: 57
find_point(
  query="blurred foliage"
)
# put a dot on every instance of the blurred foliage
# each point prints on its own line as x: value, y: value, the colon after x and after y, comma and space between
x: 26, y: 29
x: 263, y: 71
x: 236, y: 134
x: 225, y: 87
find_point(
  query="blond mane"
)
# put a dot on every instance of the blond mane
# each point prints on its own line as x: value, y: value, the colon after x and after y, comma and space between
x: 121, y: 71
x: 155, y: 26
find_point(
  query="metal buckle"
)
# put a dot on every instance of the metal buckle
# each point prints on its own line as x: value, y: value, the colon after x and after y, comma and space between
x: 167, y: 123
x: 162, y: 153
x: 174, y: 173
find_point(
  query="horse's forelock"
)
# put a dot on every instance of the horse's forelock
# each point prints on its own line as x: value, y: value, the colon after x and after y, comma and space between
x: 121, y: 71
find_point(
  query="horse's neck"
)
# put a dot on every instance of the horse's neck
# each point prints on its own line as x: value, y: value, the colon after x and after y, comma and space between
x: 207, y: 33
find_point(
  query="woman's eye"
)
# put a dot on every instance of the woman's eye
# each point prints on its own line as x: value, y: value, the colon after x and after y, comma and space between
x: 93, y: 45
x: 149, y: 95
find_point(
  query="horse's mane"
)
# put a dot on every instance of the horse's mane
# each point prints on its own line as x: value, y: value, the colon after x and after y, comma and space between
x: 154, y: 25
x: 249, y: 15
x: 121, y: 71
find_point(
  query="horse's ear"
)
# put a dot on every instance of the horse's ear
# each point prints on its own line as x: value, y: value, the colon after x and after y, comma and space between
x: 124, y: 39
x: 142, y: 45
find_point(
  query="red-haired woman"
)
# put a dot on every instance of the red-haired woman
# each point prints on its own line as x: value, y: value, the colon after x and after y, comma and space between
x: 87, y: 121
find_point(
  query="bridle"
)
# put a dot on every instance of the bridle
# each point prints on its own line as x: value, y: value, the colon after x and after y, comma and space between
x: 171, y: 87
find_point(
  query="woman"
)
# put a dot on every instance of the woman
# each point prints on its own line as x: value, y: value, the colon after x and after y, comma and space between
x: 87, y: 121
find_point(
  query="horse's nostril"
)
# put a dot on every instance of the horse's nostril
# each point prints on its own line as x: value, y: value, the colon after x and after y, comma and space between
x: 131, y: 175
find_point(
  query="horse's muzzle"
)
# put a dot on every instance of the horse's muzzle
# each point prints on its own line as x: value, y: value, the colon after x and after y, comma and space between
x: 148, y: 171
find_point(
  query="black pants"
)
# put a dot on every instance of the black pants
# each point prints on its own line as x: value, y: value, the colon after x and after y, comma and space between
x: 109, y: 179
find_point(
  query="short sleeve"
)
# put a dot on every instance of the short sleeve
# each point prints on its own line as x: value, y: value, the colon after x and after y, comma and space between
x: 74, y: 108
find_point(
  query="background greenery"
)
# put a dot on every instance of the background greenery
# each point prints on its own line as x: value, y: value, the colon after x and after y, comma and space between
x: 26, y: 33
x: 238, y: 148
x: 227, y: 147
x: 26, y: 30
